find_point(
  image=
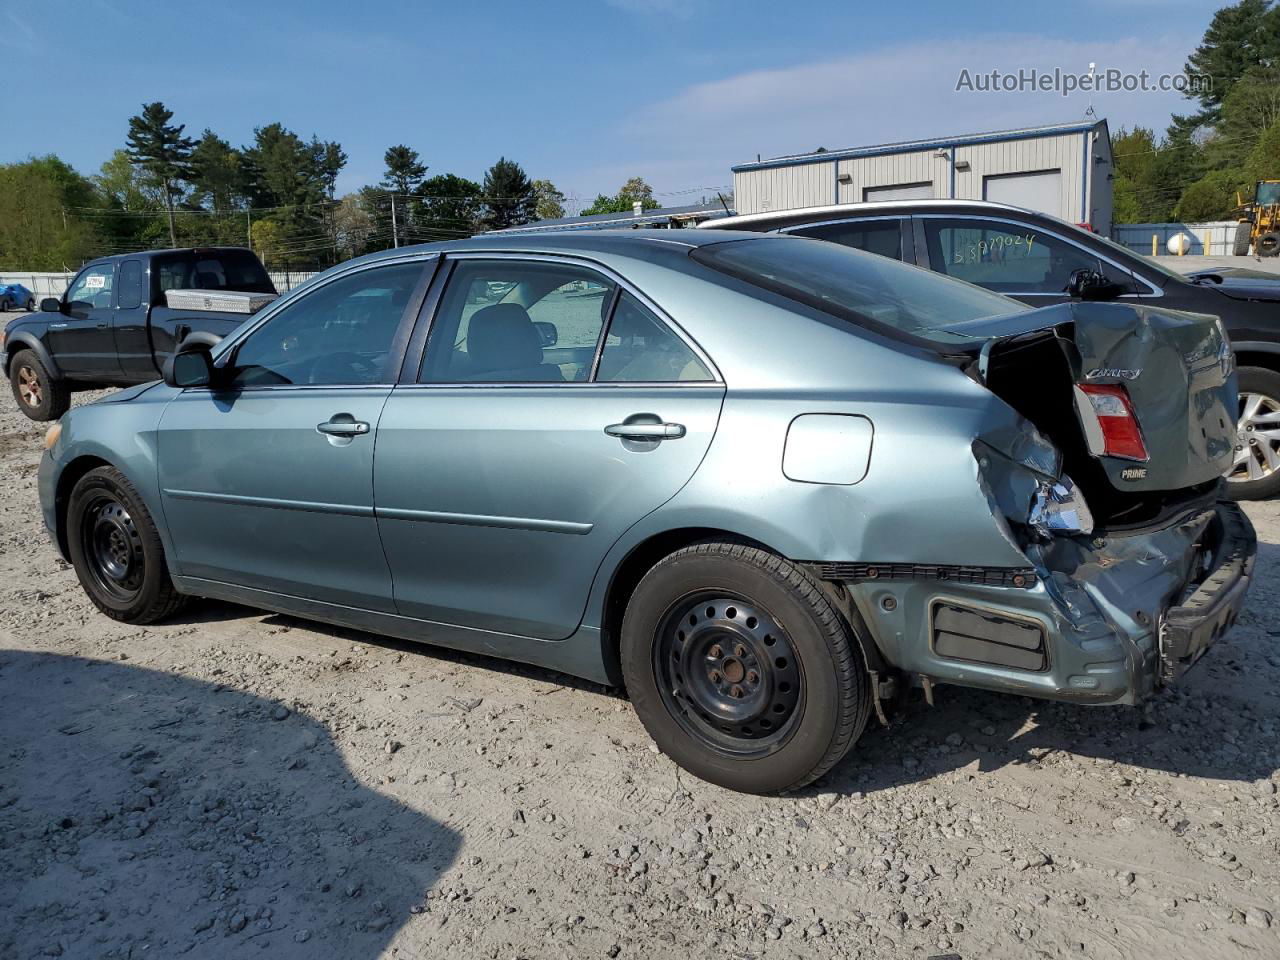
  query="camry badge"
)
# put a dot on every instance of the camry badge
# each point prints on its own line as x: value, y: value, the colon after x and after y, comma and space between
x: 1115, y: 373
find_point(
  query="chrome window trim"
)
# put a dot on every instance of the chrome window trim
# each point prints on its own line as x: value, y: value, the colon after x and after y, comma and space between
x: 613, y: 275
x: 1155, y: 291
x: 838, y: 221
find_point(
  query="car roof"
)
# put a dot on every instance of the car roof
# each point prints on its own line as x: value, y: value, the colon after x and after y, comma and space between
x: 139, y: 254
x: 833, y: 211
x: 653, y: 245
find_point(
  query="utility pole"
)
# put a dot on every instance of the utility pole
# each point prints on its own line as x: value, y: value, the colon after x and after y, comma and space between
x: 248, y: 226
x: 395, y: 231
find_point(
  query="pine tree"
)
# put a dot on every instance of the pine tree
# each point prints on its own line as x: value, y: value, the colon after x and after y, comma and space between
x: 159, y: 147
x: 404, y: 169
x: 510, y: 199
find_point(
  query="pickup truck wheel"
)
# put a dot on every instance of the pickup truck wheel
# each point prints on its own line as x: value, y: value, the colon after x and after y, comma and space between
x: 116, y: 551
x: 741, y: 670
x: 39, y: 396
x: 1255, y: 475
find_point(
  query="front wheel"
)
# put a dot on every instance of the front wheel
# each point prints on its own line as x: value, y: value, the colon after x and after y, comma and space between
x: 1255, y: 474
x: 39, y: 395
x: 741, y: 670
x: 116, y: 550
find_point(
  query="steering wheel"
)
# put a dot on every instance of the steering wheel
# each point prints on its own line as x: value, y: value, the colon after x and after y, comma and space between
x: 342, y: 367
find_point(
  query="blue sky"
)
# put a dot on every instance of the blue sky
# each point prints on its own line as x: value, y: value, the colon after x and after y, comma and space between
x: 584, y: 93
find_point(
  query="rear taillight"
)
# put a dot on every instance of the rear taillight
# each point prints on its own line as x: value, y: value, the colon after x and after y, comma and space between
x: 1110, y: 425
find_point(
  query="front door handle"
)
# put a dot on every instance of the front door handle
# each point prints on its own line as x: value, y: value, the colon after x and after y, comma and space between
x: 343, y: 425
x: 646, y: 431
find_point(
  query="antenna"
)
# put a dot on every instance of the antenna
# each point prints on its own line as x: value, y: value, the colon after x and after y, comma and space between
x: 1089, y: 109
x: 727, y: 211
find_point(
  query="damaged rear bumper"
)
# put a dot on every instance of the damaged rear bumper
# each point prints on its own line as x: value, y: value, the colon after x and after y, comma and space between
x: 1102, y: 620
x: 1208, y: 609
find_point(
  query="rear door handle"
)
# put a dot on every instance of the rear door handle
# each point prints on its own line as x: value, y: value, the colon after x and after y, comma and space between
x: 646, y: 431
x: 343, y: 425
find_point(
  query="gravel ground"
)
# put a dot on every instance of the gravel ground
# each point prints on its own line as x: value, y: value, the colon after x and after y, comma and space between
x: 234, y: 784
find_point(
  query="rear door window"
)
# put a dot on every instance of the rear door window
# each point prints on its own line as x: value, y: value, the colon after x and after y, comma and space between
x: 130, y: 295
x: 1010, y: 258
x: 874, y: 236
x: 640, y: 348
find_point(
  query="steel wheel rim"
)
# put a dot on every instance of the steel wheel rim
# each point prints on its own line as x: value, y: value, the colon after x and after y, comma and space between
x: 112, y: 548
x: 728, y: 674
x: 29, y: 386
x: 1257, y: 455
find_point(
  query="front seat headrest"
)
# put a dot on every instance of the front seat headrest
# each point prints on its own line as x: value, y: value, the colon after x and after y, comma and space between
x: 502, y: 337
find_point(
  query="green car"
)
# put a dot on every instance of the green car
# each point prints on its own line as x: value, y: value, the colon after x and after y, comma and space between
x: 761, y: 481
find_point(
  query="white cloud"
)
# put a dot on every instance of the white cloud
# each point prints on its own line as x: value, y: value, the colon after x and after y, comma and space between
x: 898, y: 93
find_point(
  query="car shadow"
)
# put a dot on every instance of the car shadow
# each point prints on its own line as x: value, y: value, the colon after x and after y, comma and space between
x: 143, y: 813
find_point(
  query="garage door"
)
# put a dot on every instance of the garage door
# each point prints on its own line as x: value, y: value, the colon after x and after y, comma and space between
x: 1040, y: 191
x: 899, y: 191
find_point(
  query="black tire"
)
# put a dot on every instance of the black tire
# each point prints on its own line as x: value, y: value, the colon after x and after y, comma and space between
x: 116, y: 551
x: 31, y: 305
x: 4, y: 304
x: 728, y: 610
x: 1268, y: 245
x: 1257, y: 382
x: 1244, y: 236
x: 37, y: 394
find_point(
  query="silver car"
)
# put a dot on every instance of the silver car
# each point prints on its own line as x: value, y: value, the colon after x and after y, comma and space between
x: 762, y: 481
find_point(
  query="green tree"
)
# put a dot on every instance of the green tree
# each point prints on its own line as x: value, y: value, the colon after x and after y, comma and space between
x: 550, y: 200
x: 218, y: 175
x: 295, y: 179
x: 509, y: 199
x: 404, y: 169
x: 41, y: 227
x: 1241, y: 37
x: 449, y: 207
x: 159, y: 147
x: 633, y: 191
x: 1212, y: 197
x: 1135, y: 189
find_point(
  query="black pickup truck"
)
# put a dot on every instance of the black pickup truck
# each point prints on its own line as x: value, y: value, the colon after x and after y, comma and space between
x: 123, y: 316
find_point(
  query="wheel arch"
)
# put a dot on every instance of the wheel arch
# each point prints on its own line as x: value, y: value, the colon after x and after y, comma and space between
x: 67, y: 480
x: 642, y: 557
x: 19, y: 340
x: 1264, y: 355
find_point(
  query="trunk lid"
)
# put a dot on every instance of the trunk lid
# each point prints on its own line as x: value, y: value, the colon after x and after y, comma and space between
x: 1176, y: 369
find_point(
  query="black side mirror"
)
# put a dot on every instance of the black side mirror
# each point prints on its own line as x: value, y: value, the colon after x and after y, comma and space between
x: 548, y: 335
x: 50, y: 305
x: 191, y: 367
x: 1092, y: 285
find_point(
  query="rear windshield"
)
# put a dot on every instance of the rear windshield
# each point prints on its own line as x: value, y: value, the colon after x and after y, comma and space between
x: 893, y: 298
x: 212, y: 270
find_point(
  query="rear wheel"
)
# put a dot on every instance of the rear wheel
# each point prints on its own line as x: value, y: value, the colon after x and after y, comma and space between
x: 31, y: 305
x: 116, y: 550
x: 39, y: 396
x: 1255, y: 474
x: 741, y: 670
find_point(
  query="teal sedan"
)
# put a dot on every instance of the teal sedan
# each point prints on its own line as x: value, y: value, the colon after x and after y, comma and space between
x: 762, y: 482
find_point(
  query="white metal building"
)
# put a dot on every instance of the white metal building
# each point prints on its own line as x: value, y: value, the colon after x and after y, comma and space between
x: 1063, y: 170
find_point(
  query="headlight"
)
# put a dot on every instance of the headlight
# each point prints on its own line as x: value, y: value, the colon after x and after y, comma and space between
x: 1058, y: 507
x: 51, y: 436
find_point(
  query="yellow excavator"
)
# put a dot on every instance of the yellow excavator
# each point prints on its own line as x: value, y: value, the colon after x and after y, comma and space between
x: 1259, y: 227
